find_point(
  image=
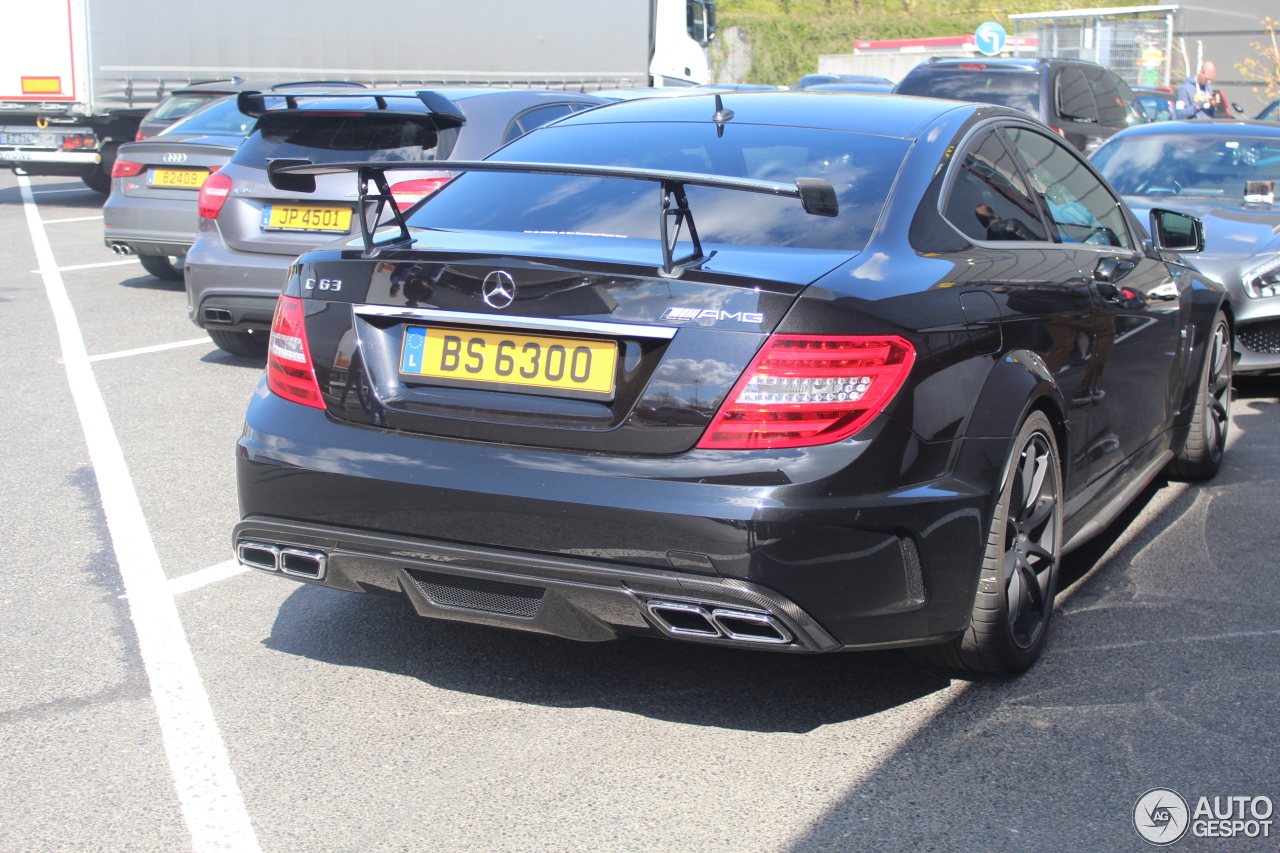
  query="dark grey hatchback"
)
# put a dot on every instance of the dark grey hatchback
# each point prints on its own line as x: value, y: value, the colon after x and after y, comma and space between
x: 794, y: 371
x: 1082, y: 101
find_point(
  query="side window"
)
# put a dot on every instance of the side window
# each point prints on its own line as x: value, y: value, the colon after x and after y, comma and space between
x: 536, y: 117
x: 1080, y: 206
x: 1112, y: 109
x: 988, y: 199
x: 1075, y: 96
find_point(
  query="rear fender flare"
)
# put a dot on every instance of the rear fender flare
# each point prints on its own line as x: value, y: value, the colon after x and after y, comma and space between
x: 1019, y: 382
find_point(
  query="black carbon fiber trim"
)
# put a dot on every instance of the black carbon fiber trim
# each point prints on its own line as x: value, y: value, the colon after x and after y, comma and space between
x: 481, y: 594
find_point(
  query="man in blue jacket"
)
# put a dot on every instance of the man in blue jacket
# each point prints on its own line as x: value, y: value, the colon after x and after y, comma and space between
x: 1197, y: 98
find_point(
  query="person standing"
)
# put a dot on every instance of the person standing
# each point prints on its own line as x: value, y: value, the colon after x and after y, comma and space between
x: 1197, y: 97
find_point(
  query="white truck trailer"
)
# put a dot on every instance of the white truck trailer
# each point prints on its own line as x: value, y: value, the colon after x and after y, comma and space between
x: 76, y: 76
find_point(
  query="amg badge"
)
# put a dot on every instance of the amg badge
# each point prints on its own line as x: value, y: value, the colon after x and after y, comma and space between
x: 681, y: 315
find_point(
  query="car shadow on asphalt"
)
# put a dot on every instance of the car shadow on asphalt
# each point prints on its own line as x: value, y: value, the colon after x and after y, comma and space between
x: 70, y: 195
x: 217, y: 356
x: 150, y: 282
x: 666, y: 680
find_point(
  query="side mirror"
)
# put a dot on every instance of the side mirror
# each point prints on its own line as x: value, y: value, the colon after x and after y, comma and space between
x: 1176, y: 232
x: 290, y: 183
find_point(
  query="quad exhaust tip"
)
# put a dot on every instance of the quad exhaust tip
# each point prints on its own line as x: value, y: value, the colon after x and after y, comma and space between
x: 296, y: 562
x: 686, y: 619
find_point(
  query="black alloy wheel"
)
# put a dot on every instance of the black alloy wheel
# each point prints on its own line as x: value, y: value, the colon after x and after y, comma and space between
x: 1019, y: 574
x: 1201, y: 455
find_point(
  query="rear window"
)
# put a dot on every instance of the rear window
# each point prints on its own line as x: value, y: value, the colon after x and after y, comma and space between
x: 217, y: 119
x: 176, y: 106
x: 1019, y: 90
x: 334, y: 137
x: 861, y: 168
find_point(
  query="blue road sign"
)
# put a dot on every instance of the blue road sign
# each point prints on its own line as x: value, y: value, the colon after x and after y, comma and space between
x: 991, y: 38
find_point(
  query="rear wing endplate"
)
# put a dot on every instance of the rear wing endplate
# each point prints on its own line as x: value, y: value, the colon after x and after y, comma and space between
x: 816, y: 195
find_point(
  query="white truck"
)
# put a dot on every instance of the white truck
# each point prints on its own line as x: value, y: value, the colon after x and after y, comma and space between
x: 76, y: 76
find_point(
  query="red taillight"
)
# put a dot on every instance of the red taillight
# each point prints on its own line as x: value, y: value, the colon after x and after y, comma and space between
x: 810, y: 389
x: 289, y: 371
x: 125, y: 169
x: 79, y: 141
x: 1059, y: 131
x: 409, y: 193
x: 972, y: 66
x: 213, y: 194
x: 141, y: 135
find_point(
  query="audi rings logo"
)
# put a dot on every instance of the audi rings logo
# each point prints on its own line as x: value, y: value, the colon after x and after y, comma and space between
x: 1161, y: 816
x: 498, y: 290
x: 175, y: 157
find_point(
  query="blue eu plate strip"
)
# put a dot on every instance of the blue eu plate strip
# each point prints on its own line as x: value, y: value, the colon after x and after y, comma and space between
x: 266, y: 214
x: 415, y: 338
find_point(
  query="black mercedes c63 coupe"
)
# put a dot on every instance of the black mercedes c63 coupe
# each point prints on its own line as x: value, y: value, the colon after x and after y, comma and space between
x: 796, y: 371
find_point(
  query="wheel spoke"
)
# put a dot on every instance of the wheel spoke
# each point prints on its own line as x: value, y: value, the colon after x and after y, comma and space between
x: 1035, y: 550
x: 1038, y: 517
x: 1032, y: 583
x: 1042, y: 468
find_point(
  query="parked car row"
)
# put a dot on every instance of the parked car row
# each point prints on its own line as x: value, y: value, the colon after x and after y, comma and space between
x: 803, y: 371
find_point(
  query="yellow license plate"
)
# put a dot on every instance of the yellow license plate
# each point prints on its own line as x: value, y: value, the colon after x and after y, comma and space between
x: 566, y: 364
x: 289, y: 217
x: 190, y: 179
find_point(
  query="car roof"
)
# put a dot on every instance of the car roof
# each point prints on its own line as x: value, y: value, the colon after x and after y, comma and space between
x: 1003, y: 64
x: 880, y: 114
x: 240, y: 84
x: 1197, y: 126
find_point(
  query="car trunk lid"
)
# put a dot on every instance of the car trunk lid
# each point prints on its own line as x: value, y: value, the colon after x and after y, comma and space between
x: 644, y: 360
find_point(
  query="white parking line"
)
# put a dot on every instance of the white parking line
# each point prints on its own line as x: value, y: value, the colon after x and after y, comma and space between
x: 204, y: 577
x: 208, y: 793
x: 73, y: 219
x: 90, y: 266
x: 145, y: 350
x: 72, y: 190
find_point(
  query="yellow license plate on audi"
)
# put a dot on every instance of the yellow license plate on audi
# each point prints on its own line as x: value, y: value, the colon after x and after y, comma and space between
x: 530, y: 361
x: 291, y: 217
x: 189, y: 179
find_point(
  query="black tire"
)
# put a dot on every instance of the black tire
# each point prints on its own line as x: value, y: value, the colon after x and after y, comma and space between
x: 162, y: 266
x: 100, y: 180
x: 1201, y: 455
x: 1019, y: 576
x: 252, y: 343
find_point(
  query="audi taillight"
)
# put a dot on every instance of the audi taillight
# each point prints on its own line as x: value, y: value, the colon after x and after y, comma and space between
x: 213, y: 195
x: 810, y: 389
x: 125, y: 169
x: 409, y: 193
x: 141, y: 135
x: 289, y: 370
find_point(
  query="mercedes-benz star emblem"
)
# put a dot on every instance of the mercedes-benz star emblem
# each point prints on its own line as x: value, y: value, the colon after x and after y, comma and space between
x: 499, y: 290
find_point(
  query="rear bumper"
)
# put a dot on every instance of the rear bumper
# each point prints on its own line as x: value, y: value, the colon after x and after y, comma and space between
x: 150, y: 226
x: 20, y: 158
x: 852, y: 553
x: 232, y: 290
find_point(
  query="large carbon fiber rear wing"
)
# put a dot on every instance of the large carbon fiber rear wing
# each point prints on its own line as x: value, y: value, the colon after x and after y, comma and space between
x: 816, y: 195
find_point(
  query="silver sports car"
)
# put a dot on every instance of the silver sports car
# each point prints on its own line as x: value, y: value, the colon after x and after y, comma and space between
x: 1223, y: 172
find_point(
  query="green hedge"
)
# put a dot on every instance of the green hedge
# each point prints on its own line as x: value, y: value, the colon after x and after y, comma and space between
x: 786, y: 36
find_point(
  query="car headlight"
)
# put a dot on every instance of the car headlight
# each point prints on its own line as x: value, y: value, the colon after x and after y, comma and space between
x: 1264, y: 279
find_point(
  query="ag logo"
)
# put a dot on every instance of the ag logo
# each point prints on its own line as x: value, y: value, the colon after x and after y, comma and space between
x: 1161, y: 816
x: 498, y: 290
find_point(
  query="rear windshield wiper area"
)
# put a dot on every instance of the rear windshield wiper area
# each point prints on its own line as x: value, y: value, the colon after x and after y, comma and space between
x: 816, y: 195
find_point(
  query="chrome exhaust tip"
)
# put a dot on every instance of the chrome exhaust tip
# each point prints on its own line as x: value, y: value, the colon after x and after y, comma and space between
x: 258, y: 555
x: 121, y: 249
x: 303, y: 564
x: 748, y: 627
x: 683, y: 620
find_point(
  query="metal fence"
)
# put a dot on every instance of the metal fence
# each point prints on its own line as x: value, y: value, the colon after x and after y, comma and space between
x: 1136, y: 42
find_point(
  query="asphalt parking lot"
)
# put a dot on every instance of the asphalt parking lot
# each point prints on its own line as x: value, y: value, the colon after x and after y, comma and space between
x: 348, y: 724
